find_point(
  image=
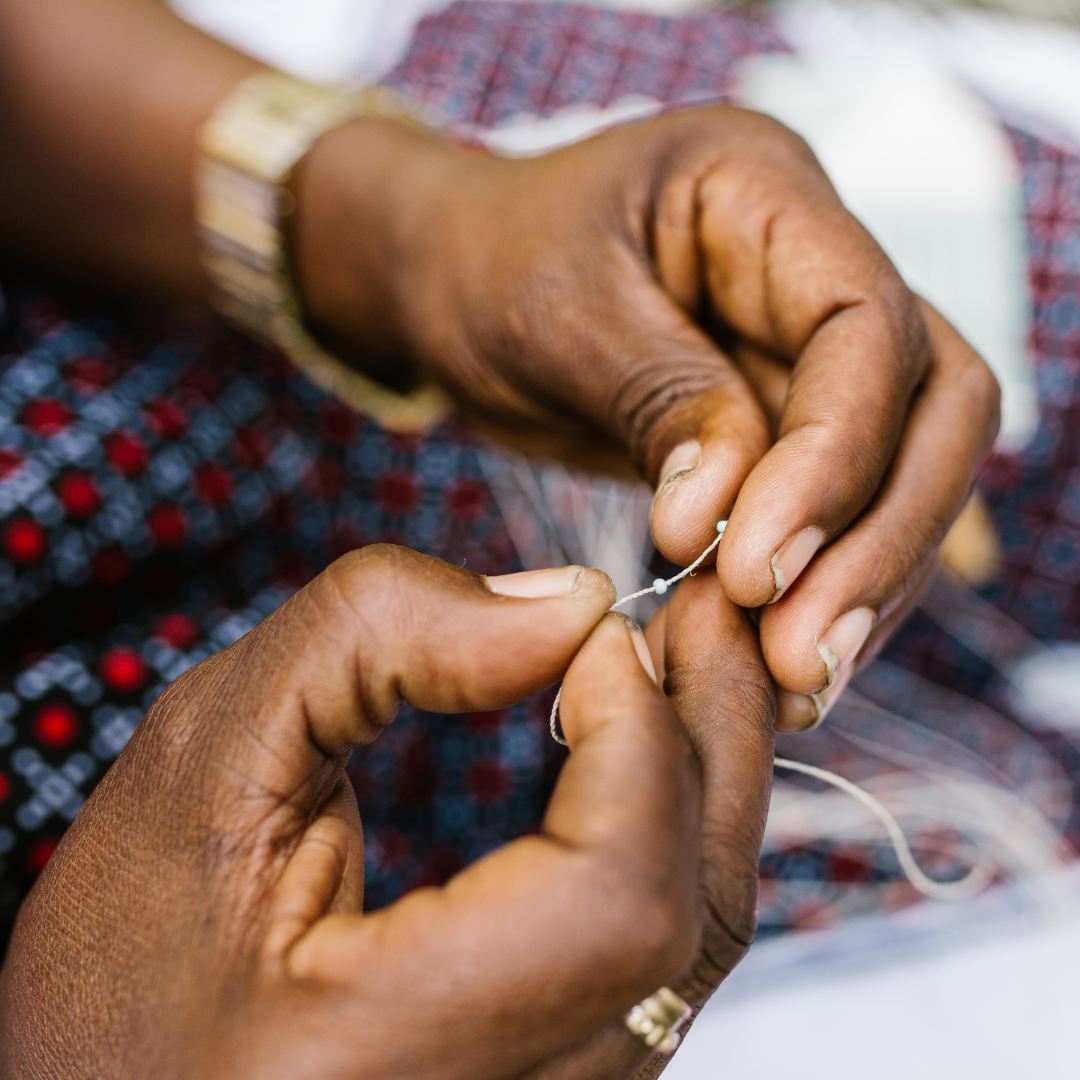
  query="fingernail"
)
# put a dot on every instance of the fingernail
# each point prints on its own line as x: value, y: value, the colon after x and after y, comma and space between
x: 796, y: 712
x: 840, y: 644
x: 683, y: 459
x: 536, y: 584
x: 642, y: 650
x: 826, y: 699
x: 791, y: 558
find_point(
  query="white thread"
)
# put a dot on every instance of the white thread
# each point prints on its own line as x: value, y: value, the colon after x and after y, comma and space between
x: 974, y: 882
x: 659, y: 586
x: 553, y: 724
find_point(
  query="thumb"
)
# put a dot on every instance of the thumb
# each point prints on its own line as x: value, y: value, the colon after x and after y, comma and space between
x: 708, y: 446
x: 535, y: 947
x: 691, y: 420
x: 330, y: 667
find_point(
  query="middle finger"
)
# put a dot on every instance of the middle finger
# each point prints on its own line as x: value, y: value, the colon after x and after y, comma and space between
x: 813, y: 635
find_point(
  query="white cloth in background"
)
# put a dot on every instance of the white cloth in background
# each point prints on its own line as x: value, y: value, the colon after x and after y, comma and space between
x: 321, y: 40
x: 1029, y: 70
x: 1002, y: 1008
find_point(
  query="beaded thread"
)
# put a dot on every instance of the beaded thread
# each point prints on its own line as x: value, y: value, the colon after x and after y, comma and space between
x: 968, y: 886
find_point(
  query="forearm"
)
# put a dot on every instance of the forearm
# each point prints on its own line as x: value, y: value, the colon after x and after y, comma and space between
x: 101, y: 102
x: 100, y: 105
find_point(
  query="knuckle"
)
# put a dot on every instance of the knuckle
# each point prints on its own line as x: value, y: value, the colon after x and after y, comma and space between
x: 649, y: 932
x: 861, y: 463
x: 749, y: 693
x: 984, y: 392
x: 901, y: 550
x: 901, y: 314
x: 663, y: 934
x: 369, y: 561
x: 775, y: 150
x: 379, y: 594
x: 972, y: 380
x: 728, y: 932
x: 646, y: 405
x: 718, y: 688
x: 376, y: 578
x: 848, y: 452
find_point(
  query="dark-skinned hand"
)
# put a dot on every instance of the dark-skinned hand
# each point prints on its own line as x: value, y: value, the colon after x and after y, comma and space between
x: 691, y: 290
x: 686, y: 294
x: 202, y: 917
x: 705, y: 652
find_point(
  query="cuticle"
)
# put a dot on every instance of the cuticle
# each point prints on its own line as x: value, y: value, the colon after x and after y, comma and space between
x: 678, y: 474
x: 830, y: 669
x: 819, y: 705
x: 778, y: 589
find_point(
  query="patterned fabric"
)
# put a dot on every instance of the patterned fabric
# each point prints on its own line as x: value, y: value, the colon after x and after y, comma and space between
x: 164, y: 487
x: 483, y: 63
x: 1036, y: 495
x: 945, y: 697
x: 165, y: 484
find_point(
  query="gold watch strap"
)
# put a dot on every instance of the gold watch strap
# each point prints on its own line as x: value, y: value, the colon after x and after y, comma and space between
x: 249, y: 147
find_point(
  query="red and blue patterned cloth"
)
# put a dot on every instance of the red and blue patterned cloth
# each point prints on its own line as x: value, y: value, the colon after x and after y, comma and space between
x: 164, y: 484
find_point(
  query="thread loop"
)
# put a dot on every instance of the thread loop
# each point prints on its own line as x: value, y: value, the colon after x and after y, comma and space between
x: 974, y: 882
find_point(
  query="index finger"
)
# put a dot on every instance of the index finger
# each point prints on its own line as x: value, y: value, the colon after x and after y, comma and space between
x: 833, y: 306
x: 716, y: 678
x: 534, y: 948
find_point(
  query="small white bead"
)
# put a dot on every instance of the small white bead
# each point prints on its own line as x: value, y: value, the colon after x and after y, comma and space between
x: 660, y: 586
x: 721, y: 526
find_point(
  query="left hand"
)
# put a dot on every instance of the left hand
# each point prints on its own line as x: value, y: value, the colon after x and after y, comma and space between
x: 631, y: 296
x: 690, y: 292
x: 862, y: 585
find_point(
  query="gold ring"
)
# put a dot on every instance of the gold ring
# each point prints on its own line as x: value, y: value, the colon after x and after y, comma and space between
x: 657, y: 1021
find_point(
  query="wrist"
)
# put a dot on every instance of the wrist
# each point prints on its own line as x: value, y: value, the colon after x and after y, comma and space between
x: 364, y: 198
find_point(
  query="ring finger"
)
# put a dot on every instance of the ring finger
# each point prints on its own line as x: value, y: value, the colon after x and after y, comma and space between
x: 813, y: 634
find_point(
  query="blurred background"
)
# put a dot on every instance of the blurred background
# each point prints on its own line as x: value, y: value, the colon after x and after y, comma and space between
x: 953, y: 132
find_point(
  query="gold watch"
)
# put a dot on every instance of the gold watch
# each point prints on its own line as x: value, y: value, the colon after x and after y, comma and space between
x: 249, y: 147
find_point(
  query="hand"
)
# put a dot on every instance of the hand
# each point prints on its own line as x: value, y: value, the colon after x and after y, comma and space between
x: 202, y: 916
x: 706, y: 656
x: 657, y: 294
x: 862, y: 585
x: 691, y: 290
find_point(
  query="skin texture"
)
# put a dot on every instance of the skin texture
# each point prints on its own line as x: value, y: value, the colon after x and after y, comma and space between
x: 693, y: 278
x: 201, y: 917
x: 689, y: 279
x: 706, y: 656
